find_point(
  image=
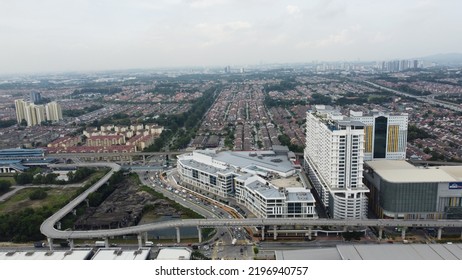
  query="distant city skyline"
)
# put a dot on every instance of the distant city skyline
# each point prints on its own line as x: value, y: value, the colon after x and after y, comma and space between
x: 51, y: 35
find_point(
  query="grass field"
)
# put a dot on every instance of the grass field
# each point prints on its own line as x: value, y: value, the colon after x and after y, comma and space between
x: 9, y: 179
x: 21, y: 199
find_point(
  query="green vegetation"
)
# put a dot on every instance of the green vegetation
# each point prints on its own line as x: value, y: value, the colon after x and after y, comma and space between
x: 96, y: 198
x: 33, y: 176
x: 38, y: 194
x: 413, y: 133
x: 79, y: 112
x: 7, y: 123
x: 197, y: 255
x: 4, y: 186
x: 289, y: 84
x: 180, y: 129
x: 316, y: 98
x: 410, y: 90
x: 255, y: 250
x: 187, y: 213
x: 285, y: 140
x: 229, y: 139
x: 21, y: 217
x: 106, y: 91
x: 356, y: 235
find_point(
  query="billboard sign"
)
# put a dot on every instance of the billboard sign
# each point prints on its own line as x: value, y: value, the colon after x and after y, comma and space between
x: 455, y: 186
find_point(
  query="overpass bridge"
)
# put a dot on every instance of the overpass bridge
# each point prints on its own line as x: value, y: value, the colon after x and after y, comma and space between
x: 113, y: 156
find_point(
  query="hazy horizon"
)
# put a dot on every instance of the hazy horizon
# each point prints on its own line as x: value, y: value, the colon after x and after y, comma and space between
x: 60, y: 36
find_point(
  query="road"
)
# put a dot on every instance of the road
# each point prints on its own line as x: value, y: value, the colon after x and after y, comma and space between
x: 424, y: 99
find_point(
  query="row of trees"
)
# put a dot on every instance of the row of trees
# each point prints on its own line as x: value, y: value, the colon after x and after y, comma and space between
x: 181, y: 128
x: 32, y: 176
x: 78, y: 112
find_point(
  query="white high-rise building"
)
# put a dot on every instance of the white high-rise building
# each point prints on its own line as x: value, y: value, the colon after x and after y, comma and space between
x: 385, y: 135
x: 34, y: 114
x: 20, y: 106
x: 53, y: 111
x: 334, y: 156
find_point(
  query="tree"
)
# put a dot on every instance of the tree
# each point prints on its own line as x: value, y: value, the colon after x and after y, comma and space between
x: 23, y: 178
x: 38, y: 194
x: 4, y: 186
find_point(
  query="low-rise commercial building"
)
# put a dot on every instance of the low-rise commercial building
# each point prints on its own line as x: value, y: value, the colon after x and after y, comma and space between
x: 401, y: 190
x: 265, y: 182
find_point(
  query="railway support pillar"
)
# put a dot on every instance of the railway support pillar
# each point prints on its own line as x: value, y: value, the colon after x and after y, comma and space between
x: 309, y: 233
x: 380, y: 233
x: 275, y: 233
x: 50, y: 243
x: 145, y: 237
x: 71, y: 243
x: 262, y: 233
x: 140, y: 240
x: 440, y: 231
x: 199, y: 234
x: 106, y: 242
x: 403, y: 233
x: 178, y: 239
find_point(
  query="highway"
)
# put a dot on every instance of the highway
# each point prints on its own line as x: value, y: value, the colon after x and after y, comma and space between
x: 424, y: 99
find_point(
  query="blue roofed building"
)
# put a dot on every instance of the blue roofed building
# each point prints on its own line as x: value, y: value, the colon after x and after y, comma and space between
x: 18, y: 160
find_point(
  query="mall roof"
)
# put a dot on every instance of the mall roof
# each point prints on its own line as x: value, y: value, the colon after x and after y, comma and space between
x: 121, y: 254
x: 269, y: 160
x: 174, y: 254
x: 377, y: 252
x: 400, y: 171
x: 77, y: 254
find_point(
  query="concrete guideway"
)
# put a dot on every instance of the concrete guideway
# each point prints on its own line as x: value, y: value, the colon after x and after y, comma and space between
x: 48, y: 226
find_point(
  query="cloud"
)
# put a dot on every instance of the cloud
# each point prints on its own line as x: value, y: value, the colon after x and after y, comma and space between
x: 378, y: 38
x: 204, y: 3
x: 222, y: 32
x: 343, y: 37
x: 292, y: 10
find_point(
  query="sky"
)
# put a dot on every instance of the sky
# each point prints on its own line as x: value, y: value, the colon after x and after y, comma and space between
x: 91, y: 35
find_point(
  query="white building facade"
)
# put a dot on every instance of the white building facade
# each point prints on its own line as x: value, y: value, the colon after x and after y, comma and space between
x: 267, y: 201
x: 334, y: 157
x: 385, y: 135
x: 247, y: 179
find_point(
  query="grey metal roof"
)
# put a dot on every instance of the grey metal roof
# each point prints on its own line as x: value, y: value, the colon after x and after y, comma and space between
x: 243, y: 159
x: 264, y: 190
x: 377, y: 252
x: 400, y: 171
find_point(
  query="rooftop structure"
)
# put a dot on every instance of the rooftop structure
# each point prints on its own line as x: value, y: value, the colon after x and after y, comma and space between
x: 121, y: 254
x: 174, y: 254
x: 76, y: 254
x: 18, y: 153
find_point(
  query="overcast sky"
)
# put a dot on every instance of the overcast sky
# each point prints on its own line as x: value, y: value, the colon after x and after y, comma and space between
x: 63, y: 35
